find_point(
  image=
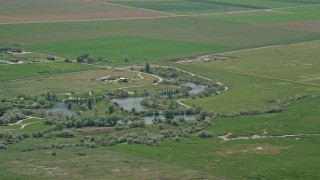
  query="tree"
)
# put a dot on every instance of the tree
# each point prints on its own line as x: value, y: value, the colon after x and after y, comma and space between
x: 147, y: 68
x: 168, y: 114
x: 90, y: 103
x: 125, y: 58
x: 100, y: 58
x: 110, y: 109
x: 69, y: 106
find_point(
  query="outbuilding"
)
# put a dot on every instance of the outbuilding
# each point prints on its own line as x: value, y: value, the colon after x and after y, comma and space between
x: 51, y: 58
x: 123, y: 80
x: 15, y: 60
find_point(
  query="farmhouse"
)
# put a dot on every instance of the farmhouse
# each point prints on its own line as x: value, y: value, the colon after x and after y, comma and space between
x: 9, y: 52
x: 108, y: 78
x: 123, y: 80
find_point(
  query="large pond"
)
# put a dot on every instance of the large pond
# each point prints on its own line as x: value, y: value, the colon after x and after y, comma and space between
x: 195, y: 88
x: 61, y: 109
x: 148, y: 119
x: 129, y: 102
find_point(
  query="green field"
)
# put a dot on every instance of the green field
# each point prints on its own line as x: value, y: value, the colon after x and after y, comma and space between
x: 189, y: 6
x: 203, y: 30
x: 296, y: 62
x: 273, y: 16
x: 296, y: 119
x: 210, y: 6
x: 113, y: 49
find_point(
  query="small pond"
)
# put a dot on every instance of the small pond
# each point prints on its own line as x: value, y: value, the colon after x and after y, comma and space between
x: 129, y: 102
x: 61, y: 108
x: 195, y: 88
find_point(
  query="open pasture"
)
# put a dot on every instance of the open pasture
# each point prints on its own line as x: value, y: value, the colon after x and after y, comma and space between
x: 76, y: 82
x: 242, y: 159
x: 84, y: 163
x: 24, y: 71
x: 296, y: 62
x: 62, y: 10
x: 300, y: 117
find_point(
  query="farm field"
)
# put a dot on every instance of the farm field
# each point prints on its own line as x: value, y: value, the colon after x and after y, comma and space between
x: 268, y: 17
x: 62, y: 10
x: 210, y: 6
x: 115, y: 48
x: 160, y: 89
x: 216, y: 32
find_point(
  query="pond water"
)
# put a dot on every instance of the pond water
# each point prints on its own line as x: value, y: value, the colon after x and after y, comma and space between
x: 61, y: 108
x: 129, y: 102
x: 148, y: 119
x: 195, y: 88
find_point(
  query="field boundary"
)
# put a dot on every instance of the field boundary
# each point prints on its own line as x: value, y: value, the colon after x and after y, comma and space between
x: 115, y: 4
x: 45, y: 76
x: 165, y: 15
x: 270, y: 77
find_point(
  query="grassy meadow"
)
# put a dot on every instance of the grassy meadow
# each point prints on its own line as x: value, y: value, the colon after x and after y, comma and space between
x: 22, y: 71
x: 296, y: 62
x: 75, y: 82
x: 245, y: 92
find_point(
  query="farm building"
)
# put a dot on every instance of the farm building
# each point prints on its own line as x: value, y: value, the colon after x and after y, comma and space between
x: 9, y: 52
x: 14, y: 60
x: 123, y: 80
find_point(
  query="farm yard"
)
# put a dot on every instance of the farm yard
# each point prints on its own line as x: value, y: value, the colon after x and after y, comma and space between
x: 159, y: 89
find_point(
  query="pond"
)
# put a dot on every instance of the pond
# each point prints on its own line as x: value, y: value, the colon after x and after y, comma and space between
x: 61, y: 109
x: 129, y: 102
x: 195, y: 88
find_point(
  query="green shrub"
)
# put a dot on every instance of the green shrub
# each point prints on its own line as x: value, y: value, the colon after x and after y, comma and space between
x: 205, y: 134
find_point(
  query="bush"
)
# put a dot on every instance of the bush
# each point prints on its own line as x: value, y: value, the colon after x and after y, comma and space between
x: 205, y: 134
x: 66, y: 134
x: 274, y: 109
x: 37, y: 134
x: 2, y: 146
